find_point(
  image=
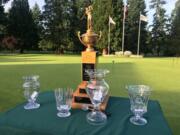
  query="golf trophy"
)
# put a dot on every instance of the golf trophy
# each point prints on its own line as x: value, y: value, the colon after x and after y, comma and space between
x: 89, y: 59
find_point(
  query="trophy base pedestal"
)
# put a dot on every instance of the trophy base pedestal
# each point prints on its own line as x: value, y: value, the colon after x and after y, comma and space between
x: 80, y: 98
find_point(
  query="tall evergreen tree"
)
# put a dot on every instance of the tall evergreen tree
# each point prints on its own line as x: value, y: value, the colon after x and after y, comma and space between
x: 36, y: 14
x: 75, y: 25
x: 158, y: 26
x: 3, y: 20
x: 135, y: 7
x: 116, y: 33
x: 37, y: 18
x: 174, y: 46
x: 102, y: 10
x: 21, y: 25
x: 57, y: 23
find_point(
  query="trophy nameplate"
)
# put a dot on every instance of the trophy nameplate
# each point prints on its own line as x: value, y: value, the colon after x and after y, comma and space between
x: 88, y: 62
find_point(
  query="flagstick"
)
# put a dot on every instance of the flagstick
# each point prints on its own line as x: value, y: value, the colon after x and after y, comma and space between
x: 109, y: 38
x: 123, y: 29
x: 139, y: 35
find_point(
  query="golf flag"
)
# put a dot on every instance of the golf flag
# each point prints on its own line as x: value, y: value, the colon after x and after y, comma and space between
x: 143, y: 18
x: 111, y: 21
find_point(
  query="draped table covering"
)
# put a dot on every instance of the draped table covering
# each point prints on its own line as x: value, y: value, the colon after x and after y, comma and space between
x: 44, y: 121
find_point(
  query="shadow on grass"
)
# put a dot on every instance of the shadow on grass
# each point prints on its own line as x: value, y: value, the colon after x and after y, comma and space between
x: 39, y: 55
x: 8, y: 61
x: 21, y: 55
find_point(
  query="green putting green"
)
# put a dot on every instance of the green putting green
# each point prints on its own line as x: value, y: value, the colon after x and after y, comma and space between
x: 162, y: 74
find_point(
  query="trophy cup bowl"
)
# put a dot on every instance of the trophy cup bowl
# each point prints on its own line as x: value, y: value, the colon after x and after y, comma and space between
x: 89, y: 39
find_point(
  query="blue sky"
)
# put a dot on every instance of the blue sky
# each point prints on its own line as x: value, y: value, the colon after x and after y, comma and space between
x: 169, y: 7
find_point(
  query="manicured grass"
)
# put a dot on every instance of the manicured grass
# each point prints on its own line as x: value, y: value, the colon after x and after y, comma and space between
x: 162, y: 74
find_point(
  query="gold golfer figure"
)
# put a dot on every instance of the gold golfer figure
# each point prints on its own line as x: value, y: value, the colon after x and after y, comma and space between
x: 90, y: 38
x: 89, y: 17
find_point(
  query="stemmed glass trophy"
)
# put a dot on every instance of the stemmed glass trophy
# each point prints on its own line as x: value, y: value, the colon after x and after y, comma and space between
x: 97, y: 90
x: 63, y: 98
x: 31, y: 87
x: 139, y: 96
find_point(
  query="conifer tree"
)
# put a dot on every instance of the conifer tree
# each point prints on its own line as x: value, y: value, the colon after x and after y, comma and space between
x: 53, y: 22
x: 36, y: 14
x: 174, y: 45
x: 116, y: 33
x: 158, y: 26
x: 135, y: 7
x: 58, y: 17
x: 102, y: 10
x: 3, y: 20
x: 21, y: 25
x: 37, y: 18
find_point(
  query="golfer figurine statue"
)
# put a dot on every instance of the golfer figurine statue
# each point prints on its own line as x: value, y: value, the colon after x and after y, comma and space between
x: 89, y: 17
x: 90, y: 38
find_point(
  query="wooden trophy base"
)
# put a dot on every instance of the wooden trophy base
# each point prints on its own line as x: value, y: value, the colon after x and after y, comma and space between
x: 80, y: 98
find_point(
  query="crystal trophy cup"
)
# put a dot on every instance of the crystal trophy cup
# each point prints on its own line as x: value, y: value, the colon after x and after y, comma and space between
x: 97, y: 89
x: 31, y: 87
x: 63, y: 98
x: 139, y: 96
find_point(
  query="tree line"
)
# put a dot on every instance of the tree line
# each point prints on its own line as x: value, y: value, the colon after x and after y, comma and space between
x: 55, y: 27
